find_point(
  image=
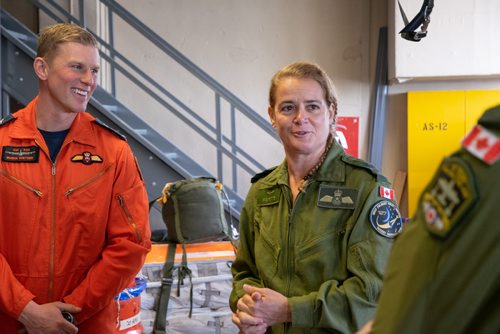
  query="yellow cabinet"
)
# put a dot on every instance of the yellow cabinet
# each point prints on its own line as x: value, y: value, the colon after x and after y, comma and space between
x: 437, y: 123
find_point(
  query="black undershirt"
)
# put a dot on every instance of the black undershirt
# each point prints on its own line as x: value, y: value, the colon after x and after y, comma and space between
x: 54, y: 141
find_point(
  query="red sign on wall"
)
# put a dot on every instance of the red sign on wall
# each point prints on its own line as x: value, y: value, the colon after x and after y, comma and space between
x: 348, y: 134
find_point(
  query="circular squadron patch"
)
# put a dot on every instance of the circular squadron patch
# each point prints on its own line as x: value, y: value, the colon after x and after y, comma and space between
x: 386, y: 219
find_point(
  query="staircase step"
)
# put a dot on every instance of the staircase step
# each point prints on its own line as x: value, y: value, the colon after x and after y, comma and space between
x: 171, y: 155
x: 111, y: 107
x: 142, y: 132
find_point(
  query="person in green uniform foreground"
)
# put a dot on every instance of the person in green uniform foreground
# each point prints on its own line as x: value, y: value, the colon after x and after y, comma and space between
x: 316, y: 231
x: 443, y: 274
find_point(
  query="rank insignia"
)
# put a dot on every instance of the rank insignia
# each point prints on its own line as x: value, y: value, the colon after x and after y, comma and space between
x: 87, y: 158
x: 333, y: 197
x: 451, y: 193
x: 9, y: 118
x: 386, y: 219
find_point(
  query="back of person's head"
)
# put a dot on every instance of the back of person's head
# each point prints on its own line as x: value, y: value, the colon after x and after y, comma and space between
x: 54, y: 35
x: 491, y: 119
x: 304, y: 70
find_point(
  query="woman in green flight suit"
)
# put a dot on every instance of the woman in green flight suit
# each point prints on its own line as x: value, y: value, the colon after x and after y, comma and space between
x: 316, y: 230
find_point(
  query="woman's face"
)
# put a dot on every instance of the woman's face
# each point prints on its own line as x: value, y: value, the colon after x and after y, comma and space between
x: 301, y: 116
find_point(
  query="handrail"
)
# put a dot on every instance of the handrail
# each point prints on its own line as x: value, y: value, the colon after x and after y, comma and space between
x: 238, y: 156
x: 188, y: 64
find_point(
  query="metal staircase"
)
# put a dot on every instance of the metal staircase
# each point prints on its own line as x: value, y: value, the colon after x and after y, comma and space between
x: 160, y: 160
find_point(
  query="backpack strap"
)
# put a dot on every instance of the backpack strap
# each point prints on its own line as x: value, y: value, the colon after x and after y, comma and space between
x: 153, y: 202
x: 166, y: 286
x: 233, y: 232
x: 182, y: 272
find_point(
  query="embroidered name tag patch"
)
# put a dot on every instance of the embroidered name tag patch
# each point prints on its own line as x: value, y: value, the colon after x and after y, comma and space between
x: 386, y: 219
x: 451, y: 193
x: 20, y: 153
x: 268, y: 196
x: 87, y: 158
x: 337, y: 197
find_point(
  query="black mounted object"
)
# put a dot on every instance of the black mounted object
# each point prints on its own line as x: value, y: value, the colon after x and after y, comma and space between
x: 422, y: 18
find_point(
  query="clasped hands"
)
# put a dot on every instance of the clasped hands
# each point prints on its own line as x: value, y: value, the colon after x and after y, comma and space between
x: 47, y: 318
x: 260, y: 308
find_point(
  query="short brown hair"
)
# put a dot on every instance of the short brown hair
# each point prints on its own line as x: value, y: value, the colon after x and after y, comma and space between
x: 304, y: 70
x: 59, y: 33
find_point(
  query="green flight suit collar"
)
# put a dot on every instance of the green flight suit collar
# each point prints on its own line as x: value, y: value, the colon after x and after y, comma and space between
x: 332, y: 170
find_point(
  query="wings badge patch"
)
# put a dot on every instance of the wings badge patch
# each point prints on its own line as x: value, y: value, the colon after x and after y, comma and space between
x: 451, y: 193
x: 332, y: 197
x: 87, y: 158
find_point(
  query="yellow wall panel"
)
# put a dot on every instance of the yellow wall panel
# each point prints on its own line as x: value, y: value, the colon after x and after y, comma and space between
x: 437, y: 123
x: 435, y: 127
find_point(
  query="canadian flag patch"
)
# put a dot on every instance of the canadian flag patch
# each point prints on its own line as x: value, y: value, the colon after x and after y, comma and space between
x: 482, y: 144
x: 386, y: 193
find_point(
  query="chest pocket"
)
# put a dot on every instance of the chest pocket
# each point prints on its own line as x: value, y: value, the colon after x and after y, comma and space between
x: 268, y: 234
x: 19, y: 209
x: 93, y: 179
x: 86, y: 205
x: 320, y: 259
x: 321, y: 242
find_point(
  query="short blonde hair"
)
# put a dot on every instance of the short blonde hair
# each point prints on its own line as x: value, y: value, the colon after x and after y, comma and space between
x: 59, y: 33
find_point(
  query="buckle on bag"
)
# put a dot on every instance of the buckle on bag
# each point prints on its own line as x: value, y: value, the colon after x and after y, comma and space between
x: 167, y: 281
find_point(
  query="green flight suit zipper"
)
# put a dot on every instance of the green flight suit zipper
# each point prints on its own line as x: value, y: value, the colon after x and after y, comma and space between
x: 290, y: 251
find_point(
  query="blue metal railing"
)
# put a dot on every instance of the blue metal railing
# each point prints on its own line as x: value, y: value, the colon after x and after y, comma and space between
x: 226, y: 145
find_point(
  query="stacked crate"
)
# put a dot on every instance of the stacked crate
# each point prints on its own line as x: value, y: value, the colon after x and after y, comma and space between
x: 210, y: 265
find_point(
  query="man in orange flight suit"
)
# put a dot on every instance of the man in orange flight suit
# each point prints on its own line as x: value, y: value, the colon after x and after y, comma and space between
x: 74, y: 227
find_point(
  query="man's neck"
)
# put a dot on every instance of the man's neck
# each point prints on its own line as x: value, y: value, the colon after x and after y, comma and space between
x: 49, y: 120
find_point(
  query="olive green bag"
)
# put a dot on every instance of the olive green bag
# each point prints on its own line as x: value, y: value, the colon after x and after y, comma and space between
x: 193, y: 211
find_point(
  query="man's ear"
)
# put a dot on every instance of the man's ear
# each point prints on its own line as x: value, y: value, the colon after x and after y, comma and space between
x: 270, y: 112
x: 41, y: 68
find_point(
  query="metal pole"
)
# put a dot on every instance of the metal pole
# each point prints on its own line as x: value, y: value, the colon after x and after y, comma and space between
x: 233, y: 148
x: 218, y: 126
x: 82, y: 13
x: 379, y: 107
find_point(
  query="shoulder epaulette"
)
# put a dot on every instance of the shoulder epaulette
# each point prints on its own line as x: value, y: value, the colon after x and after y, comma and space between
x: 262, y: 174
x: 7, y: 119
x: 104, y: 125
x: 491, y: 119
x: 363, y: 164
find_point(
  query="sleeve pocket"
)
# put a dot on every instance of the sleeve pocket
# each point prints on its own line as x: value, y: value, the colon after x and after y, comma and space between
x: 134, y: 210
